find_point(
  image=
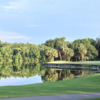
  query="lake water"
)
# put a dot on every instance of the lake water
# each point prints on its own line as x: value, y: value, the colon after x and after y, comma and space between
x: 30, y: 73
x: 20, y: 81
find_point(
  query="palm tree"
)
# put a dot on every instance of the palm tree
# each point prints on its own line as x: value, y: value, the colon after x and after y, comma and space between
x: 82, y: 50
x: 69, y: 53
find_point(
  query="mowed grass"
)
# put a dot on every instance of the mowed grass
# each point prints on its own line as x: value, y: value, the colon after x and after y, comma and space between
x: 77, y: 85
x: 78, y: 62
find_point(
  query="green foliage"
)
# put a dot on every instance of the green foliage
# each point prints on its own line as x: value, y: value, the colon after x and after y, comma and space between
x: 53, y: 49
x: 69, y: 54
x: 84, y: 47
x: 92, y: 52
x: 63, y: 53
x: 79, y: 50
x: 19, y: 52
x: 47, y: 52
x: 51, y: 77
x: 68, y: 59
x: 85, y: 42
x: 93, y: 42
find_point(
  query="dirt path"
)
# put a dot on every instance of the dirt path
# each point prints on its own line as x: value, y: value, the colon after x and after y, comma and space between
x: 60, y: 97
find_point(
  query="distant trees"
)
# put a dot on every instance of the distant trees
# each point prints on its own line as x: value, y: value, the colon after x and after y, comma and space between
x: 86, y: 47
x: 53, y: 49
x: 60, y: 45
x: 80, y: 49
x: 19, y: 52
x: 48, y: 53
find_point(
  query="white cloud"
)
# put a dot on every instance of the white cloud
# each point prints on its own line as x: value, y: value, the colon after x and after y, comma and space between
x: 33, y: 5
x: 6, y: 36
x: 17, y: 6
x: 12, y: 5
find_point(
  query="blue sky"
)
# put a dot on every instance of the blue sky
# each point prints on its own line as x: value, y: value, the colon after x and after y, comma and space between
x: 36, y: 21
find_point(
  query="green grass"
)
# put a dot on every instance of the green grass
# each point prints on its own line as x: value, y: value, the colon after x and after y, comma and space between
x: 77, y: 85
x: 79, y: 62
x: 92, y: 99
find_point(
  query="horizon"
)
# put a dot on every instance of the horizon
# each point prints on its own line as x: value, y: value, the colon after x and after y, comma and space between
x: 44, y: 42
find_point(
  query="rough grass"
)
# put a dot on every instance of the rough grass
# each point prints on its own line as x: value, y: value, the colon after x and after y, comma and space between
x: 79, y: 62
x: 77, y: 85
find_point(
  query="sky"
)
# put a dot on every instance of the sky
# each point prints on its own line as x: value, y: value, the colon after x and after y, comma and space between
x: 36, y: 21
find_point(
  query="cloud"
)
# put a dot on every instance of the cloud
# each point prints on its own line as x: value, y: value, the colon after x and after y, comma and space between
x: 33, y: 6
x: 17, y: 6
x: 12, y: 5
x: 6, y: 36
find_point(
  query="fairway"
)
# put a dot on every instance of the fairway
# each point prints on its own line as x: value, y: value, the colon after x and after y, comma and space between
x: 78, y: 85
x: 79, y: 62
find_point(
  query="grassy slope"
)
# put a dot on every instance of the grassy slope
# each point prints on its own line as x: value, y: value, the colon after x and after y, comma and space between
x: 79, y: 62
x: 78, y: 85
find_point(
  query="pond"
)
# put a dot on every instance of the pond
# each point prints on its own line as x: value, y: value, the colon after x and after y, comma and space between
x: 30, y: 73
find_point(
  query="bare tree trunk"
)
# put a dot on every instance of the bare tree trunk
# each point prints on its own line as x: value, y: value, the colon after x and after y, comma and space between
x: 82, y: 56
x: 79, y: 58
x: 59, y: 53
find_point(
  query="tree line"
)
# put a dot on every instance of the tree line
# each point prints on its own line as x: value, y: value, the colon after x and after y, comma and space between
x: 78, y: 50
x: 53, y: 49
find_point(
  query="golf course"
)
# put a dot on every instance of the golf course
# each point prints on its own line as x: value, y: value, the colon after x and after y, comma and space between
x: 49, y: 50
x: 79, y: 62
x: 78, y: 85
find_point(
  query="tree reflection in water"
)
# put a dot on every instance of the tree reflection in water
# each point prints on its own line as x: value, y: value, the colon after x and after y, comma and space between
x: 32, y: 69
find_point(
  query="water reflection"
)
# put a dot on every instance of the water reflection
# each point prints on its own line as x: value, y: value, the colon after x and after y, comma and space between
x: 20, y: 81
x: 55, y: 74
x: 29, y: 73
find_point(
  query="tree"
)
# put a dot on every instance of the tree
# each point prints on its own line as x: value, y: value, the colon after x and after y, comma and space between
x: 79, y: 50
x: 82, y: 51
x: 92, y: 53
x: 98, y: 45
x: 69, y: 53
x: 48, y: 53
x: 93, y: 42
